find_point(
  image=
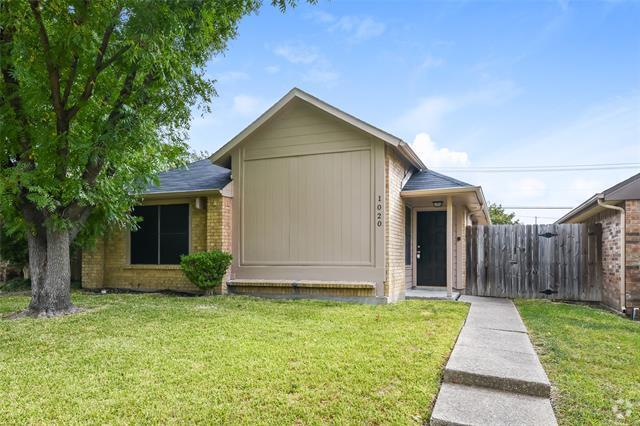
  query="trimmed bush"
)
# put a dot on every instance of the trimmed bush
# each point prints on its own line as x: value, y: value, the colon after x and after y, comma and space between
x: 206, y: 269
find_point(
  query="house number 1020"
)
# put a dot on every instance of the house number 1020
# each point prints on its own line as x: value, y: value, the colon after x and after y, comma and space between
x: 379, y: 211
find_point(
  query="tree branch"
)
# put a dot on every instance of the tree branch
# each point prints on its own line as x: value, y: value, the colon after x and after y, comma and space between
x: 80, y: 19
x: 72, y: 76
x: 93, y: 170
x: 99, y: 65
x: 52, y: 68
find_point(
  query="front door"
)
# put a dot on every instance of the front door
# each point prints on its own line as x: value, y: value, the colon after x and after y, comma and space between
x: 431, y: 249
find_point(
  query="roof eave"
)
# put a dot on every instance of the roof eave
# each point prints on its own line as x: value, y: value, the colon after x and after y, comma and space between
x: 410, y: 155
x: 173, y: 194
x: 576, y: 214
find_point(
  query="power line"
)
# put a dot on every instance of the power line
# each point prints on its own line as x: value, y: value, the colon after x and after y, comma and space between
x: 543, y: 168
x: 537, y: 208
x: 539, y: 217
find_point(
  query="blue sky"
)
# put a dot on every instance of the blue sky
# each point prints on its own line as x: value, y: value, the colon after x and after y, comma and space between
x: 471, y: 84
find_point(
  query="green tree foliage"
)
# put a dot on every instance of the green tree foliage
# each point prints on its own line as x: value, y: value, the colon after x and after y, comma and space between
x: 500, y: 217
x: 13, y: 247
x: 95, y: 99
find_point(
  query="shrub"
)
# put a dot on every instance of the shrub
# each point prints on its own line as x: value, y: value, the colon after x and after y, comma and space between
x: 206, y: 269
x: 15, y: 284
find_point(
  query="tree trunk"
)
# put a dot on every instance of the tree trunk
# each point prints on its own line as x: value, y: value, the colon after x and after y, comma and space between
x: 50, y: 274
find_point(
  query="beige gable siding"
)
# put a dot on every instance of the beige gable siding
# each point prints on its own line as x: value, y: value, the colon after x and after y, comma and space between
x: 396, y: 170
x: 324, y: 199
x: 306, y: 186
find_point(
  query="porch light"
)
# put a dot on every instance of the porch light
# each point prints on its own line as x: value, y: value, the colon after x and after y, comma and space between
x: 437, y: 203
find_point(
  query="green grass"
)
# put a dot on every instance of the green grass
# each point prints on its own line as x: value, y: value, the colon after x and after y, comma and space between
x: 592, y: 358
x: 234, y: 360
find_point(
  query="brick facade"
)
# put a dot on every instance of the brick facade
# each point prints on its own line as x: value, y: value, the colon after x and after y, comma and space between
x: 107, y: 264
x: 632, y: 253
x: 610, y: 221
x: 395, y: 171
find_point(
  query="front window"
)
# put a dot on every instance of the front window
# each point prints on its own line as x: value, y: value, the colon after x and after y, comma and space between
x: 162, y: 236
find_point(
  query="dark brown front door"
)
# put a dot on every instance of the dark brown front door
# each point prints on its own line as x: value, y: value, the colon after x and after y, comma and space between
x: 431, y: 250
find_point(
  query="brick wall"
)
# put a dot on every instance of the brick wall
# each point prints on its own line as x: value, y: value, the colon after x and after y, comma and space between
x: 107, y: 265
x: 632, y: 247
x: 395, y: 170
x: 610, y: 221
x: 92, y: 270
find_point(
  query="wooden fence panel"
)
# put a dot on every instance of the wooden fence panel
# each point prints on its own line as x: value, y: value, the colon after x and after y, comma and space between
x: 534, y: 261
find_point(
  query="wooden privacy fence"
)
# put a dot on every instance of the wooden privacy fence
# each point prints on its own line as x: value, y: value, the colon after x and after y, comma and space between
x: 532, y: 261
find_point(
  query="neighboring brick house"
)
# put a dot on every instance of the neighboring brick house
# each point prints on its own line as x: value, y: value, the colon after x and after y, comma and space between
x: 617, y: 209
x: 312, y: 202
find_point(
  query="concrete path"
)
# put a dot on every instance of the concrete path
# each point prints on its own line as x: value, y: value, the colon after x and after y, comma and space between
x: 493, y: 376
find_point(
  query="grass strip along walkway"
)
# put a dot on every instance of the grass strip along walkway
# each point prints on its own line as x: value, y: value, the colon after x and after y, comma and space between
x: 592, y: 358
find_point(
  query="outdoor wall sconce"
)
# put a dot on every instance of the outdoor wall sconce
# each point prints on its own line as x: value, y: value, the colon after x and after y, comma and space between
x: 437, y: 204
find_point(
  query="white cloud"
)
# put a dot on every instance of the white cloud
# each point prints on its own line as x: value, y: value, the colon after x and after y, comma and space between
x: 431, y: 112
x: 322, y: 17
x: 272, y: 69
x: 321, y: 75
x: 247, y: 105
x: 359, y: 28
x: 427, y: 115
x: 430, y: 62
x: 435, y: 157
x: 297, y: 53
x: 587, y: 186
x: 319, y: 69
x: 527, y: 189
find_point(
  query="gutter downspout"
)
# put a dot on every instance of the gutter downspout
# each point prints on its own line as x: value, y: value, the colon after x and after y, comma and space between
x: 623, y: 249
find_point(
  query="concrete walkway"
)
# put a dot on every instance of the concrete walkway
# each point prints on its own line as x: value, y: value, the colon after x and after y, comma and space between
x: 493, y: 376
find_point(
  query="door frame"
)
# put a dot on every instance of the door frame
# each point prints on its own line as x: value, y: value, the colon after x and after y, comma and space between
x: 414, y: 240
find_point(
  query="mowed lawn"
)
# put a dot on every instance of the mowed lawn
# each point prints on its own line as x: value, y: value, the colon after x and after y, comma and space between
x: 592, y: 358
x: 165, y: 359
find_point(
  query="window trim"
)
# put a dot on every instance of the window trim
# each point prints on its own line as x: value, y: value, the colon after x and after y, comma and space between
x: 189, y: 244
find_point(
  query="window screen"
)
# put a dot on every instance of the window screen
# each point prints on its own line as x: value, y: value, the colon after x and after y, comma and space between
x: 144, y: 241
x: 407, y: 236
x: 163, y: 234
x: 174, y: 233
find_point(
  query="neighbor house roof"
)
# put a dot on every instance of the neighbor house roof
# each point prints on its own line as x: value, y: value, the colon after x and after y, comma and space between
x: 428, y: 179
x: 198, y: 176
x: 628, y: 189
x: 295, y: 93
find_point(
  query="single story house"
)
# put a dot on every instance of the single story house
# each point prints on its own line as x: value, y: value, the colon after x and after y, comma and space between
x: 617, y: 209
x: 312, y: 202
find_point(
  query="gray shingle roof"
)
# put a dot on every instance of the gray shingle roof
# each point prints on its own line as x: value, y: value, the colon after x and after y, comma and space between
x: 197, y: 176
x: 428, y: 179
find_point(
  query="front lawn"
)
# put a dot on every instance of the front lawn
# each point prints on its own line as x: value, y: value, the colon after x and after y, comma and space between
x: 164, y: 359
x: 592, y: 358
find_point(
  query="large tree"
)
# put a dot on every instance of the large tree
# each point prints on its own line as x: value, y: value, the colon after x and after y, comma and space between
x: 95, y: 99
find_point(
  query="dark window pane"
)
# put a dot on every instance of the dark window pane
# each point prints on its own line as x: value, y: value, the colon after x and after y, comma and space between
x: 174, y: 233
x: 407, y: 236
x: 144, y: 241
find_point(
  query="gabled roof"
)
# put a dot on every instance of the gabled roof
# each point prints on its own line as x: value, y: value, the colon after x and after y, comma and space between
x: 628, y: 189
x: 198, y: 176
x: 295, y: 93
x: 428, y: 179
